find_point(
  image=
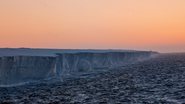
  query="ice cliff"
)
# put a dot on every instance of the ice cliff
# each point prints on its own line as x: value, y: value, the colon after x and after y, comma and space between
x: 19, y: 69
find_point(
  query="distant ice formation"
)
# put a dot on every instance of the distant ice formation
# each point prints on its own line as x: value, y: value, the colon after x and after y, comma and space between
x: 21, y: 68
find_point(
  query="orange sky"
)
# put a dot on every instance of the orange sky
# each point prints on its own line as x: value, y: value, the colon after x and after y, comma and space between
x: 110, y: 24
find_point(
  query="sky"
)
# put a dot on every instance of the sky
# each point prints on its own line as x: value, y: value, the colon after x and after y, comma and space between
x: 157, y: 25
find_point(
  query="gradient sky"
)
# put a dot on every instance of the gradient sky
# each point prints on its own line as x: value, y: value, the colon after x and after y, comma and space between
x: 102, y: 24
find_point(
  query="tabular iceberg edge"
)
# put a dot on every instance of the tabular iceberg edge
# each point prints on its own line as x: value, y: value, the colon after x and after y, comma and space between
x: 15, y: 70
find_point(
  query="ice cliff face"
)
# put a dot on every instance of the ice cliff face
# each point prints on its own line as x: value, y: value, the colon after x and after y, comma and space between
x: 78, y: 62
x: 20, y: 69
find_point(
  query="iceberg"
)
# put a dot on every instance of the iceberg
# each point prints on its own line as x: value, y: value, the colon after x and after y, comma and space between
x: 17, y: 69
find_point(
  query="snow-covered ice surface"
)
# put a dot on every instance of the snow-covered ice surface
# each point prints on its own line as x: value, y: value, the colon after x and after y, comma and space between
x: 160, y: 80
x: 49, y: 52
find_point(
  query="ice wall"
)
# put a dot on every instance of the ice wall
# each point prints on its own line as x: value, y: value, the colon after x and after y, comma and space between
x: 19, y: 69
x: 78, y: 62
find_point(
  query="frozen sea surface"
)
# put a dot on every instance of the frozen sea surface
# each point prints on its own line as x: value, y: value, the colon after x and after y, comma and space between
x: 160, y: 80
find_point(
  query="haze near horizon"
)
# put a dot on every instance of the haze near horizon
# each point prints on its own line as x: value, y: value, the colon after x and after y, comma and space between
x: 93, y: 24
